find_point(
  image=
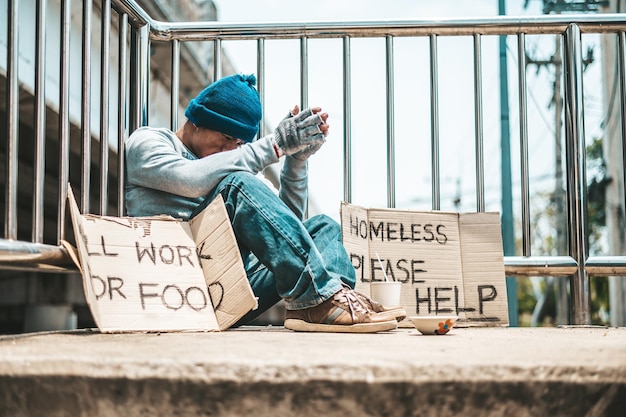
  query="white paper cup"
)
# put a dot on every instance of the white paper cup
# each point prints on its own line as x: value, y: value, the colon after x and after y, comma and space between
x: 386, y: 292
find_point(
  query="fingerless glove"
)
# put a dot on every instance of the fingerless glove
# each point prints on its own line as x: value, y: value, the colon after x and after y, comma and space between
x: 297, y: 133
x: 305, y: 153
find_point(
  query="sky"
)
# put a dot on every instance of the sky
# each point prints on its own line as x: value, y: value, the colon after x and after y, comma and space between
x: 412, y: 105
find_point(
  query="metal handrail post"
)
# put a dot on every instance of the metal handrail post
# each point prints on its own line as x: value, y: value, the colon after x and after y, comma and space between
x: 140, y: 76
x: 105, y: 54
x: 122, y: 109
x: 478, y: 124
x: 10, y: 220
x: 347, y: 120
x: 175, y: 84
x: 39, y: 164
x: 64, y: 117
x: 260, y: 73
x: 391, y: 156
x: 217, y: 59
x: 434, y: 122
x: 576, y: 182
x: 85, y: 101
x: 523, y: 139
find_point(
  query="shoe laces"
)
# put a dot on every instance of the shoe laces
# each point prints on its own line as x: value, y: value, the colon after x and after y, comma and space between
x: 371, y: 304
x: 348, y: 298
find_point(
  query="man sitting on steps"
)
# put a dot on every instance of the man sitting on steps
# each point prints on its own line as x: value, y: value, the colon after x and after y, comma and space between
x: 285, y: 256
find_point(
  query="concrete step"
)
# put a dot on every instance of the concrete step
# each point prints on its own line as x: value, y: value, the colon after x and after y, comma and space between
x: 270, y: 371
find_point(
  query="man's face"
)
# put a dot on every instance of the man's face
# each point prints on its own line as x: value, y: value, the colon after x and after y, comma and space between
x: 206, y: 142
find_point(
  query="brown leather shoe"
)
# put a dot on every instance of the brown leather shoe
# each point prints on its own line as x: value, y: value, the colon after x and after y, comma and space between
x: 344, y: 312
x: 391, y: 312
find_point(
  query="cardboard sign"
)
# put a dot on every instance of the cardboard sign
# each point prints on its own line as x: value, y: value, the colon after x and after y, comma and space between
x: 220, y: 260
x: 159, y: 273
x: 448, y: 263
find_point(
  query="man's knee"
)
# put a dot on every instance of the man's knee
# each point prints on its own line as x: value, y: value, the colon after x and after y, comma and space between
x: 246, y: 183
x: 233, y: 182
x: 240, y: 177
x: 327, y: 223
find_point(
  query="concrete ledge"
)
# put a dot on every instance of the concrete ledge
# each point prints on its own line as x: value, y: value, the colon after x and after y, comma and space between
x: 270, y: 371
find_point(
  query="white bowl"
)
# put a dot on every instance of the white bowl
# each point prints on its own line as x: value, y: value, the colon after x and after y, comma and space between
x: 430, y: 325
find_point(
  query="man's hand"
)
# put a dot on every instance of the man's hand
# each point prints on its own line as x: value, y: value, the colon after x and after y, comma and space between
x: 304, y: 132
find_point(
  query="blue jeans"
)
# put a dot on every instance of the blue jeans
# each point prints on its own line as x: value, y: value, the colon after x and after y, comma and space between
x: 304, y: 263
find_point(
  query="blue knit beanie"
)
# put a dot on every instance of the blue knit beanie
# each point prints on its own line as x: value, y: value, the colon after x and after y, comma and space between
x: 230, y: 105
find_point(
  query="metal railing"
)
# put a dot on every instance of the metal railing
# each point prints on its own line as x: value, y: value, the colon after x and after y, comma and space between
x: 137, y: 31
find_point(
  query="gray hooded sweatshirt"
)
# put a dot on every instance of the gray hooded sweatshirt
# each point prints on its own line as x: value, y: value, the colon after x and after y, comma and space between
x: 164, y: 177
